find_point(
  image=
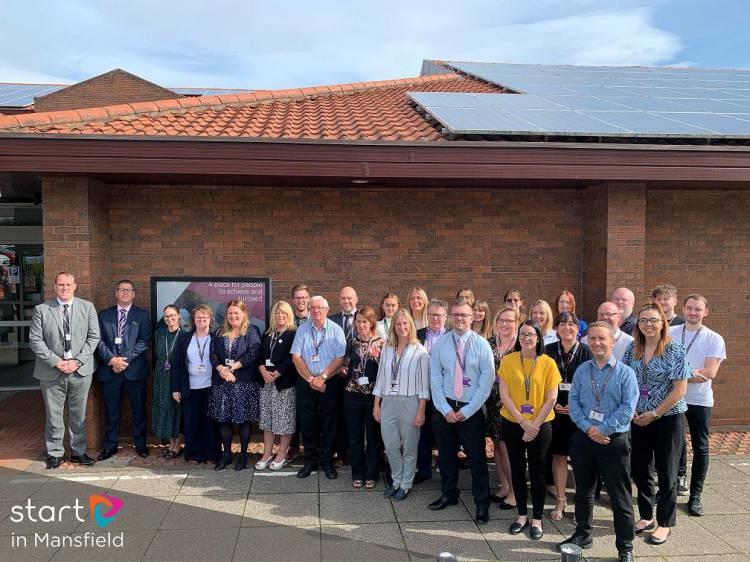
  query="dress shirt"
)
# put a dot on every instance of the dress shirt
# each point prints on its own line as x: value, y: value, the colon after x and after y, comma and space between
x: 479, y: 370
x: 413, y: 373
x: 332, y: 345
x: 618, y: 398
x: 431, y: 337
x: 622, y: 341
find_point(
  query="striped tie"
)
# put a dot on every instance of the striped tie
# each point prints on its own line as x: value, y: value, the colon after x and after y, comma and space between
x: 121, y: 322
x: 66, y: 327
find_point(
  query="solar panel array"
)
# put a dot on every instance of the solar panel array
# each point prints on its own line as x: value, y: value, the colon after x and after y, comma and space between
x: 597, y: 101
x: 22, y: 95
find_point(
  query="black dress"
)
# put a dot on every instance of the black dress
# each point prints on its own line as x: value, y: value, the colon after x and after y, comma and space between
x: 493, y: 420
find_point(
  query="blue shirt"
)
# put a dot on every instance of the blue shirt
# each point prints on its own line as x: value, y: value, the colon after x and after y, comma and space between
x: 330, y: 341
x: 617, y: 402
x: 479, y: 371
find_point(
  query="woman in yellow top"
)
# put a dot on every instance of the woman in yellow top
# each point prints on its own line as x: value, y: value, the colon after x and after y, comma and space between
x: 528, y: 388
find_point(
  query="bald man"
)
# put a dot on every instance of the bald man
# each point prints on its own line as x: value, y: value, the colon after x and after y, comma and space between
x: 609, y: 312
x: 625, y: 301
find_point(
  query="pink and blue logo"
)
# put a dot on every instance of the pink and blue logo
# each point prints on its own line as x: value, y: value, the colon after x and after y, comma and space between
x: 104, y: 509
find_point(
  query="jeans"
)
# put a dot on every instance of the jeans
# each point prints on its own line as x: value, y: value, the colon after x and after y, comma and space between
x: 698, y: 420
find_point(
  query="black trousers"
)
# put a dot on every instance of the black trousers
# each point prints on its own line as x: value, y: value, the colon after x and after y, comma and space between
x: 611, y: 463
x: 661, y: 441
x: 426, y: 443
x: 112, y: 391
x: 201, y: 432
x: 699, y: 421
x: 318, y: 417
x: 470, y: 435
x: 365, y: 441
x: 537, y: 451
x: 341, y: 444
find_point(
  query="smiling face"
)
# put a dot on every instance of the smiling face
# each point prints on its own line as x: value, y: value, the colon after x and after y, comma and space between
x: 363, y: 326
x: 202, y: 321
x: 171, y: 318
x: 564, y: 304
x: 280, y: 318
x: 461, y: 315
x: 318, y: 311
x: 650, y: 323
x: 466, y: 296
x: 667, y: 302
x: 401, y: 327
x: 505, y: 326
x: 390, y: 306
x: 609, y: 313
x: 528, y: 338
x: 416, y: 302
x: 348, y: 299
x: 625, y: 300
x: 478, y: 315
x: 695, y: 310
x: 125, y: 294
x: 436, y: 317
x: 235, y: 316
x: 65, y: 287
x: 539, y: 316
x: 567, y: 331
x: 601, y: 343
x: 301, y: 302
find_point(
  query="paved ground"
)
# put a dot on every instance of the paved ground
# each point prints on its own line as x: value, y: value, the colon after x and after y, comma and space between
x: 176, y: 511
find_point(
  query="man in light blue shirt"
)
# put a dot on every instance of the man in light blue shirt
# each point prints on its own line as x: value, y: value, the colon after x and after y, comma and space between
x: 318, y: 353
x: 602, y: 403
x: 462, y: 371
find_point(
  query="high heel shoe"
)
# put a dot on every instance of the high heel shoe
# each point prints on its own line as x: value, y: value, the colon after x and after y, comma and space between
x: 225, y: 461
x: 263, y: 464
x: 278, y: 465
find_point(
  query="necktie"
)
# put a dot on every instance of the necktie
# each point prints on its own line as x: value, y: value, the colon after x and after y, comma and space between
x: 121, y: 322
x: 347, y: 324
x: 66, y: 327
x: 458, y: 372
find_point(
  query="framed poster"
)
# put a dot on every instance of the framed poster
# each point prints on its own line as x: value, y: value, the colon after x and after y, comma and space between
x: 216, y: 292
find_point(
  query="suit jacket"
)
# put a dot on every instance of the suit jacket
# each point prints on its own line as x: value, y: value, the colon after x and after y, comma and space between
x: 47, y: 341
x: 281, y: 358
x: 247, y: 355
x: 136, y: 339
x: 339, y: 319
x: 179, y: 375
x: 422, y: 335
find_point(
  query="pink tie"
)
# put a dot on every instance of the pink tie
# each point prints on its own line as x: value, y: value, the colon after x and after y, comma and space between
x: 458, y: 372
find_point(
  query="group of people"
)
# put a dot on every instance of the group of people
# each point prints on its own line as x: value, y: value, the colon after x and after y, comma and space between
x: 612, y: 396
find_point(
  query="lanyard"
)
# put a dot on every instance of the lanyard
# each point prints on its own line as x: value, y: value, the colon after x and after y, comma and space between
x: 201, y: 350
x: 462, y: 361
x: 364, y: 355
x: 168, y: 349
x: 396, y: 365
x: 598, y: 395
x: 565, y: 366
x: 527, y: 378
x: 682, y: 340
x: 316, y: 343
x: 275, y: 338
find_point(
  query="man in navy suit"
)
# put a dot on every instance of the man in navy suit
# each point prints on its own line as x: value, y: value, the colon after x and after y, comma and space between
x: 125, y: 338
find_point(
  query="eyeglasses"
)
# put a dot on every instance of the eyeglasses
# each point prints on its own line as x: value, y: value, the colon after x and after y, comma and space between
x: 126, y: 290
x: 527, y: 336
x: 457, y: 315
x: 202, y: 318
x: 511, y: 301
x: 504, y: 322
x: 649, y: 321
x: 318, y: 308
x: 172, y: 316
x: 436, y: 314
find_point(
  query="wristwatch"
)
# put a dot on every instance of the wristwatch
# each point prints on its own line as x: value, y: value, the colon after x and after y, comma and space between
x: 325, y: 377
x: 655, y: 415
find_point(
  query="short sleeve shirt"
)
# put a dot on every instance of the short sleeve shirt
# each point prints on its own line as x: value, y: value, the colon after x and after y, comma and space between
x: 703, y: 344
x: 544, y: 377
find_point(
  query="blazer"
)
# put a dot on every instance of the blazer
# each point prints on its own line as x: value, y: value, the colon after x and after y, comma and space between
x: 247, y: 355
x: 136, y: 339
x: 281, y: 358
x: 179, y: 375
x: 47, y: 341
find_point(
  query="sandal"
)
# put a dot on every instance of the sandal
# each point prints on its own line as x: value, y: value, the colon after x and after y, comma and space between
x: 357, y: 484
x: 369, y: 484
x: 557, y: 513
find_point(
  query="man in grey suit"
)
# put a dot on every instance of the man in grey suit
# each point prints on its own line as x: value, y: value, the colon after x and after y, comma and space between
x: 64, y: 334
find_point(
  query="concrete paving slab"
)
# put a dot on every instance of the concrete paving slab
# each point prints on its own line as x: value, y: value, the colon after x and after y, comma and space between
x: 66, y: 489
x: 520, y: 547
x: 135, y: 545
x: 283, y: 482
x: 47, y: 518
x: 149, y: 483
x: 205, y: 512
x: 139, y: 513
x: 688, y: 538
x: 297, y: 510
x: 193, y: 544
x: 202, y: 482
x: 733, y: 529
x: 425, y: 540
x: 373, y: 542
x: 720, y: 472
x: 301, y: 544
x: 21, y: 486
x: 344, y: 507
x: 415, y: 508
x: 23, y: 549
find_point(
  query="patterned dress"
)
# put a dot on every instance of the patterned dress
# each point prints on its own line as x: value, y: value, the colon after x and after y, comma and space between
x: 493, y: 423
x: 165, y: 417
x: 237, y: 402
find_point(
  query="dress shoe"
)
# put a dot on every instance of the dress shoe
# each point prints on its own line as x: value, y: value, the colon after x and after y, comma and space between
x: 651, y: 539
x: 278, y: 465
x: 695, y: 507
x: 517, y: 527
x: 83, y: 459
x: 625, y: 556
x: 306, y: 471
x: 418, y: 479
x: 482, y: 515
x: 442, y: 502
x: 106, y: 453
x: 53, y: 462
x: 648, y: 527
x: 536, y: 533
x: 400, y: 495
x: 505, y: 506
x: 330, y: 472
x: 682, y: 486
x: 389, y: 491
x: 225, y: 461
x: 142, y: 452
x: 578, y: 540
x: 241, y: 462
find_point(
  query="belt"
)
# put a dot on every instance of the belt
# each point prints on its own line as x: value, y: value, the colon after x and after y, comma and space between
x: 456, y: 403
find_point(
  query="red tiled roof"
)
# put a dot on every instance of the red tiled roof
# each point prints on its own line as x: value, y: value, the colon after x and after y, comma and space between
x: 361, y: 111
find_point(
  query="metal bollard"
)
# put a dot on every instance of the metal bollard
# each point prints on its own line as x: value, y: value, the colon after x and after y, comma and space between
x: 446, y: 557
x: 571, y: 553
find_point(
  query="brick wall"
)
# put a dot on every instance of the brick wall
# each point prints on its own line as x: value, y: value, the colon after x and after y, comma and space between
x: 698, y: 240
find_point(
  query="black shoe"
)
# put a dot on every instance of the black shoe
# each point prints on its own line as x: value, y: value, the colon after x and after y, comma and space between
x: 389, y: 491
x: 482, y: 516
x: 625, y: 556
x: 517, y: 527
x: 106, y: 453
x: 442, y: 502
x: 682, y: 486
x: 419, y: 479
x: 53, y: 462
x: 648, y: 527
x: 241, y: 462
x: 306, y: 471
x: 578, y: 540
x: 142, y: 452
x: 400, y: 495
x: 330, y: 472
x: 651, y: 539
x: 505, y: 506
x: 695, y: 507
x: 536, y: 533
x: 83, y: 459
x: 225, y: 461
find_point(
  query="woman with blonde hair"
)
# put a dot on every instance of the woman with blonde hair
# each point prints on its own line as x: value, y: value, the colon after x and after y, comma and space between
x: 401, y: 392
x: 541, y: 313
x: 235, y: 392
x: 418, y: 307
x: 278, y: 394
x: 513, y: 299
x: 482, y: 323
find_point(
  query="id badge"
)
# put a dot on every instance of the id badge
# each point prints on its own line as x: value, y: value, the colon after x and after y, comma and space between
x: 644, y: 392
x: 228, y: 362
x: 202, y: 369
x: 362, y: 381
x: 527, y: 409
x: 67, y: 337
x: 118, y: 341
x: 566, y: 386
x: 466, y: 382
x: 167, y: 365
x: 269, y: 363
x: 315, y: 358
x: 393, y: 391
x: 597, y: 416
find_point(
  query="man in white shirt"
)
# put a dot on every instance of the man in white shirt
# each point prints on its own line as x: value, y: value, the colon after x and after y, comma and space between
x: 705, y: 352
x: 625, y: 301
x: 609, y: 312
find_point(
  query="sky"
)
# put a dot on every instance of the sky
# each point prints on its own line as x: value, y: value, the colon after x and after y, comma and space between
x: 284, y: 43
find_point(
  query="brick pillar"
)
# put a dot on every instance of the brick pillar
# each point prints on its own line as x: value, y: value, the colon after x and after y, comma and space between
x: 614, y: 243
x: 76, y: 239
